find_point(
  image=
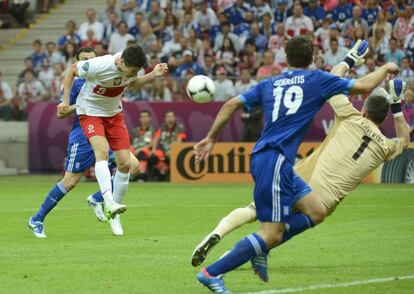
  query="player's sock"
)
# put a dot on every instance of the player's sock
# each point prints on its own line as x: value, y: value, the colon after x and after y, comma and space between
x: 250, y: 246
x: 98, y: 195
x: 298, y: 223
x: 51, y: 201
x: 234, y: 220
x: 121, y: 182
x: 104, y: 179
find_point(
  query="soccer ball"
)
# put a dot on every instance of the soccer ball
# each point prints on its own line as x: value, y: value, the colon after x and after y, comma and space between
x: 201, y: 89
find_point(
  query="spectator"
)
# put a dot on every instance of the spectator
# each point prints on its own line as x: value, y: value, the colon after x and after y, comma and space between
x: 371, y: 12
x: 170, y: 23
x: 322, y: 33
x: 355, y: 21
x: 187, y: 24
x: 244, y: 30
x: 119, y: 40
x: 260, y: 9
x: 298, y: 23
x: 245, y: 82
x: 38, y: 55
x: 333, y: 34
x: 143, y: 143
x: 30, y: 90
x: 69, y: 36
x: 227, y: 57
x: 382, y: 22
x: 209, y: 65
x: 226, y: 33
x: 409, y: 46
x: 315, y: 12
x: 236, y: 12
x: 69, y: 54
x: 250, y: 57
x: 335, y: 54
x: 280, y: 57
x: 135, y: 24
x: 156, y: 17
x: 282, y: 12
x: 146, y: 37
x: 90, y: 40
x: 6, y: 96
x: 268, y: 66
x: 172, y: 47
x: 252, y: 124
x: 393, y: 54
x: 367, y: 68
x: 379, y: 43
x: 170, y: 132
x: 277, y: 40
x: 408, y: 108
x: 156, y: 52
x: 91, y: 23
x: 57, y: 81
x: 259, y: 39
x: 267, y: 26
x: 318, y: 63
x: 189, y: 64
x: 342, y: 12
x: 358, y: 34
x: 205, y: 17
x: 128, y: 7
x: 405, y: 23
x: 110, y: 27
x: 160, y: 92
x: 103, y: 16
x: 224, y: 87
x: 100, y: 49
x: 28, y: 65
x: 406, y: 73
x: 53, y: 55
x: 18, y: 10
x: 46, y: 74
x: 193, y: 43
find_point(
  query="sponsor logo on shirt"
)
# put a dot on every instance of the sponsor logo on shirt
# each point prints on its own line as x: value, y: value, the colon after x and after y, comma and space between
x: 91, y: 129
x: 117, y: 81
x: 85, y: 66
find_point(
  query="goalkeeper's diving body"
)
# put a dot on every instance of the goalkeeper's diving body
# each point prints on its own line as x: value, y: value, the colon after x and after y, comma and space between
x: 354, y: 148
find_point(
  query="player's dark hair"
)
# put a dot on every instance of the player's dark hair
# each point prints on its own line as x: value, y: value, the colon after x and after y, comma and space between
x: 121, y: 23
x: 299, y: 52
x: 376, y: 107
x: 134, y: 56
x: 145, y: 111
x: 84, y: 49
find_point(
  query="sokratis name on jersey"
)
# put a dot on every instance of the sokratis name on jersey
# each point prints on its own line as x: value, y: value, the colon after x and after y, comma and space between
x: 375, y: 136
x: 292, y: 81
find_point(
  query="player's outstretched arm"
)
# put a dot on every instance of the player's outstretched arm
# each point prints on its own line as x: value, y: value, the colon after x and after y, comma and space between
x: 63, y: 107
x: 227, y: 111
x: 368, y: 83
x: 395, y: 96
x: 158, y: 71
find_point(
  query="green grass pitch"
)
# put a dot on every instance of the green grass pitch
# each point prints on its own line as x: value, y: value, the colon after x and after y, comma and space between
x: 371, y: 235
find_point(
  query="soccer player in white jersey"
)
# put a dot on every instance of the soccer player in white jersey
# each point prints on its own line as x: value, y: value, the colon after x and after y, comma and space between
x: 100, y: 114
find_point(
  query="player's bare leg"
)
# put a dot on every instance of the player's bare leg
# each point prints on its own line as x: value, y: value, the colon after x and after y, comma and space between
x: 311, y: 206
x: 229, y: 223
x: 100, y: 148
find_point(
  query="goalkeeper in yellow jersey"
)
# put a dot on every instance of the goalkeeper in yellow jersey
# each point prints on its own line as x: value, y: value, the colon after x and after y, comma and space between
x: 353, y: 149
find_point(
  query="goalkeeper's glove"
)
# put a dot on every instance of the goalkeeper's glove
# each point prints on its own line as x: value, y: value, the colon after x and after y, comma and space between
x: 395, y: 96
x: 355, y: 56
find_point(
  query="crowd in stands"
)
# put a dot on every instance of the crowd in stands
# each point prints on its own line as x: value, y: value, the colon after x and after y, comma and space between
x: 237, y: 43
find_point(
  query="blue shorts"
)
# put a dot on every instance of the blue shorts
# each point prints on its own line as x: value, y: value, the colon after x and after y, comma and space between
x: 277, y: 187
x: 80, y: 157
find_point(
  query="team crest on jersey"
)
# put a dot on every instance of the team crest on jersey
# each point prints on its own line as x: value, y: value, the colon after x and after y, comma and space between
x: 85, y: 66
x: 118, y: 81
x: 91, y: 129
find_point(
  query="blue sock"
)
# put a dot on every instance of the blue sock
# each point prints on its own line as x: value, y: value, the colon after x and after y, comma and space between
x: 52, y: 199
x: 250, y: 246
x: 298, y: 223
x: 98, y: 195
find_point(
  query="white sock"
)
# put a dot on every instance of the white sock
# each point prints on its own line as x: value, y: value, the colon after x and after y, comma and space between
x: 103, y: 176
x: 121, y: 182
x: 234, y: 220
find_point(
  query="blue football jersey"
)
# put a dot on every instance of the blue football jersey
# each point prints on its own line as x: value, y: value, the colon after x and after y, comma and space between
x: 76, y: 134
x: 289, y: 102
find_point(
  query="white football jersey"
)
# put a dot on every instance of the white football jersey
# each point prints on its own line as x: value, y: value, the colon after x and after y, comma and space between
x: 101, y: 93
